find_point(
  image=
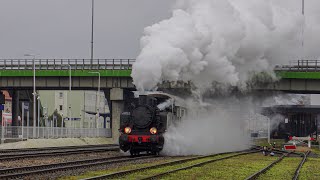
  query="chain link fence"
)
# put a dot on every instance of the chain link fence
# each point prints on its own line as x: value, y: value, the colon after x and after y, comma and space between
x: 19, y: 132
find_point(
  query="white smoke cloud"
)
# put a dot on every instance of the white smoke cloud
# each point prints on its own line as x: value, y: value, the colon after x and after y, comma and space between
x: 223, y: 41
x: 222, y: 125
x: 287, y: 99
x: 214, y: 40
x: 210, y: 127
x: 165, y: 104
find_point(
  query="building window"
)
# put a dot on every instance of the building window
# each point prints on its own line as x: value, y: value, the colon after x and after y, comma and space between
x: 60, y: 107
x: 61, y: 95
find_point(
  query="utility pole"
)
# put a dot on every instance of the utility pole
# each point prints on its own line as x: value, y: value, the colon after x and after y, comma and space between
x: 302, y: 7
x: 302, y: 31
x: 92, y: 23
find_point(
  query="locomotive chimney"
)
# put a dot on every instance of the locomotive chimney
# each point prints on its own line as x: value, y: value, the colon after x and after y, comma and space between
x: 142, y: 100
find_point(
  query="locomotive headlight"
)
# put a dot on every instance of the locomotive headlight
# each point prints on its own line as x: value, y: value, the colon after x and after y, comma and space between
x: 153, y: 130
x: 127, y: 130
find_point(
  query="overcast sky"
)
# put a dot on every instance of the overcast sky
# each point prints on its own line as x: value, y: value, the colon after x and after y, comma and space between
x: 62, y: 28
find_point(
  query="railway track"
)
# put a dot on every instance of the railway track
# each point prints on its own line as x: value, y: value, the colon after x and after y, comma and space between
x: 46, y: 152
x: 297, y: 172
x: 257, y: 174
x: 264, y: 170
x: 11, y: 173
x: 126, y: 172
x: 2, y: 151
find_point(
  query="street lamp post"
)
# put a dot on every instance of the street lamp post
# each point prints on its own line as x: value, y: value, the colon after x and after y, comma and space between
x: 62, y: 122
x: 38, y: 98
x: 68, y: 95
x: 34, y: 93
x: 98, y: 100
x: 269, y: 130
x: 68, y: 98
x: 44, y: 113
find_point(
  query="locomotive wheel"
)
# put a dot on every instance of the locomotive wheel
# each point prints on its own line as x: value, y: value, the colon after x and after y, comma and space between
x: 132, y: 152
x: 155, y: 153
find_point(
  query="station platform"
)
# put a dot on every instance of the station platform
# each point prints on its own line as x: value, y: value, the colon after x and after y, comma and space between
x: 41, y: 143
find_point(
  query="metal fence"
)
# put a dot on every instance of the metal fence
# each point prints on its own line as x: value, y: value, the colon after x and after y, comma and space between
x: 300, y: 66
x: 18, y: 132
x: 63, y: 64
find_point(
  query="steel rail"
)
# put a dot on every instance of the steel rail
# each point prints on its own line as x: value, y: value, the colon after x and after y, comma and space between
x: 121, y: 173
x: 257, y: 174
x: 195, y: 165
x: 3, y: 151
x: 8, y: 156
x: 297, y: 172
x: 41, y: 169
x: 279, y: 151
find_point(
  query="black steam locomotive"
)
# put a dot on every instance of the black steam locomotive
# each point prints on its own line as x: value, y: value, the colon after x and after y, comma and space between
x: 142, y: 128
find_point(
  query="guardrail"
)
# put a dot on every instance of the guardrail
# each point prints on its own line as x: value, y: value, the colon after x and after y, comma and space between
x: 300, y: 65
x: 63, y: 64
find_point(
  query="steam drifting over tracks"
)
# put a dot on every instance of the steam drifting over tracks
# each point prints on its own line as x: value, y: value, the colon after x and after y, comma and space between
x: 56, y: 151
x: 127, y: 172
x: 10, y: 173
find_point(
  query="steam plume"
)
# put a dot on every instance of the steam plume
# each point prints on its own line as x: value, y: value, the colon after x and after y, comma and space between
x: 214, y: 40
x: 222, y: 41
x: 165, y: 104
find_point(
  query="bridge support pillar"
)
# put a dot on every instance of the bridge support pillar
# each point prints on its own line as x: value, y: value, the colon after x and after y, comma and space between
x: 117, y: 107
x: 15, y: 107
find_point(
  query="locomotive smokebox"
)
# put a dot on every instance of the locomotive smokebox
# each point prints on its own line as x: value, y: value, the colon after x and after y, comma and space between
x: 143, y: 100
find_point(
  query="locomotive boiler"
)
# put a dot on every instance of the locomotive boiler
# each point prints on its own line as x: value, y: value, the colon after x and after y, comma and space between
x: 143, y: 126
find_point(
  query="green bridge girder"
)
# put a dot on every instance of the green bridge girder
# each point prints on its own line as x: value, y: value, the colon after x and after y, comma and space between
x: 298, y: 75
x: 64, y: 73
x: 127, y: 73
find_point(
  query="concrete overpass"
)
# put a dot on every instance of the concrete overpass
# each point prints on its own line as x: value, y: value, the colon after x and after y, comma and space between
x: 16, y: 75
x: 301, y: 76
x: 53, y: 74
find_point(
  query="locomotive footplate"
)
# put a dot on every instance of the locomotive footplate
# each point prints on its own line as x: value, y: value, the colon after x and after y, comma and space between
x: 141, y: 142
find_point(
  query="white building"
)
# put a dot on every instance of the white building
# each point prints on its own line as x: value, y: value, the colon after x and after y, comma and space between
x: 79, y: 106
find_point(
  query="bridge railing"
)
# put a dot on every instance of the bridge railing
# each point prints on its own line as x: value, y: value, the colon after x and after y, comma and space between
x: 63, y: 64
x: 300, y: 65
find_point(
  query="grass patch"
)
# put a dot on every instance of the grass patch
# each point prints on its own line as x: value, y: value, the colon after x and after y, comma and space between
x: 235, y: 168
x: 310, y: 169
x: 283, y: 170
x: 119, y: 168
x: 142, y: 174
x: 316, y: 150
